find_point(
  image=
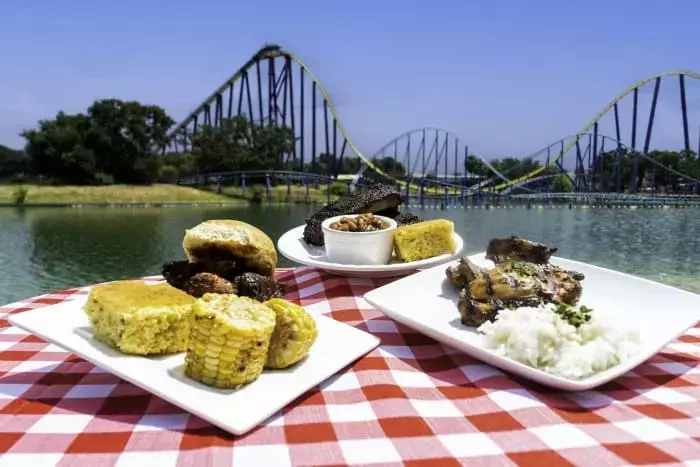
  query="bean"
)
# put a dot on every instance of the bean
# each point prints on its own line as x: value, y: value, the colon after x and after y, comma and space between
x: 361, y: 223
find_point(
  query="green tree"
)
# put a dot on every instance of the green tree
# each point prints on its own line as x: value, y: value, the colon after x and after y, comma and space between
x: 12, y: 161
x: 114, y: 140
x: 238, y: 144
x: 351, y: 165
x: 390, y: 166
x: 562, y: 184
x: 178, y: 164
x: 514, y: 168
x: 123, y: 134
x: 472, y: 164
x: 612, y: 164
x: 58, y: 149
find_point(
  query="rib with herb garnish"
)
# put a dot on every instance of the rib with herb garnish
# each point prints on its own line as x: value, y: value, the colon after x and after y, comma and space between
x: 522, y: 276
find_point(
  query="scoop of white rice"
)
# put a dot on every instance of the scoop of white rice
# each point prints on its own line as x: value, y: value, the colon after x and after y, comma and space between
x: 539, y: 337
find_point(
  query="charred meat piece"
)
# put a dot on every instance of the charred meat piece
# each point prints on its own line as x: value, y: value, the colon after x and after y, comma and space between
x: 520, y: 281
x: 369, y: 200
x: 218, y: 260
x: 226, y: 269
x: 390, y: 212
x: 511, y: 284
x: 475, y: 313
x: 462, y: 273
x: 313, y: 234
x: 401, y: 218
x: 516, y: 248
x: 406, y: 218
x: 507, y: 283
x: 176, y: 273
x: 257, y: 287
x: 568, y: 285
x: 206, y: 282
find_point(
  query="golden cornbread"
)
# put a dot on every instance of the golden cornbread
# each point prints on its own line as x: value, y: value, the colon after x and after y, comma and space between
x: 294, y: 335
x: 229, y: 340
x: 423, y: 240
x: 231, y: 240
x: 141, y: 319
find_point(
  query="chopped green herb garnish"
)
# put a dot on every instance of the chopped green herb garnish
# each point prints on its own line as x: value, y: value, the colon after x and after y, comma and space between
x: 574, y: 316
x: 523, y: 268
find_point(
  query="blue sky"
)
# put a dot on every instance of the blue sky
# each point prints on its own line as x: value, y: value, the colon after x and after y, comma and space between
x: 508, y: 76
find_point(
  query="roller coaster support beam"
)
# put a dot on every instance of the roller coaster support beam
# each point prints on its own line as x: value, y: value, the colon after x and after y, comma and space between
x: 580, y: 171
x: 647, y: 140
x: 594, y: 156
x: 684, y: 112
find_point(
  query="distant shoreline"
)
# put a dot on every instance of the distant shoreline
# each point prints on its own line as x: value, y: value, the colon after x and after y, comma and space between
x: 150, y: 196
x: 156, y: 204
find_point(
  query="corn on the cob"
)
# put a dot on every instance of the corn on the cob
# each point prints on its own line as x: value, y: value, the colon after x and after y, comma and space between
x: 295, y: 332
x: 229, y: 340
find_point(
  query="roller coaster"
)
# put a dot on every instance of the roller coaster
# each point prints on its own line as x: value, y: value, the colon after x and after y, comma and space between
x: 276, y: 86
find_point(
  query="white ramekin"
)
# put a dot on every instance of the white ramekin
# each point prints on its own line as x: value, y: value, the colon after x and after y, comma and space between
x: 359, y: 248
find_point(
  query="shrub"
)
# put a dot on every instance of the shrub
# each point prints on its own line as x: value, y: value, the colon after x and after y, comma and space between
x: 257, y: 194
x: 339, y: 188
x: 169, y: 171
x: 102, y: 178
x: 19, y: 195
x: 562, y: 184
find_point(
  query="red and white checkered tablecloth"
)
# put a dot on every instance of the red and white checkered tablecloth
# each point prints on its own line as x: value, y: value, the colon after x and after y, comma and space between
x: 409, y: 402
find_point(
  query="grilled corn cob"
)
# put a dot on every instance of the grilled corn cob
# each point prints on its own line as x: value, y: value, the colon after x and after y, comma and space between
x: 229, y: 340
x: 295, y: 332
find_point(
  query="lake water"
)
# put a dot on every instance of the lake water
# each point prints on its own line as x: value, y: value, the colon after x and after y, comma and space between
x: 45, y: 249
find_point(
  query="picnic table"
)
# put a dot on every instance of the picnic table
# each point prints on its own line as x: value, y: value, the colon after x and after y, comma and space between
x: 411, y: 401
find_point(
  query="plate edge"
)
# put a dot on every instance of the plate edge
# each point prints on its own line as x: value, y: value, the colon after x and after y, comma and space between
x: 371, y: 339
x: 561, y: 384
x: 380, y: 269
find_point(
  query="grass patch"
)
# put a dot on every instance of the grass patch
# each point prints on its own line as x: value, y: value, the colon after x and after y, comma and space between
x: 158, y: 193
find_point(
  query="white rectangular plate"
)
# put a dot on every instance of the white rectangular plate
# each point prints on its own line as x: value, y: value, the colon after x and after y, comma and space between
x: 336, y: 346
x: 427, y: 302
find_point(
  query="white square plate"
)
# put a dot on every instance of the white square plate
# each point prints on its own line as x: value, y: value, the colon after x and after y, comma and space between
x: 336, y: 346
x: 427, y: 302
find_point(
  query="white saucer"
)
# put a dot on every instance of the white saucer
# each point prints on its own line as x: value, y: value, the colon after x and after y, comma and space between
x: 292, y: 246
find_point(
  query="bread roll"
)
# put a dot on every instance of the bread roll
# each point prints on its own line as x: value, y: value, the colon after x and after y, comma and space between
x: 231, y: 240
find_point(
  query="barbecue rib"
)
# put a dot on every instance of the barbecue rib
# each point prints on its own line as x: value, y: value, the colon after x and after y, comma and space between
x: 522, y: 277
x: 369, y: 200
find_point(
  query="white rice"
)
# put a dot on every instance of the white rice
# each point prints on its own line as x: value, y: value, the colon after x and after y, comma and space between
x: 539, y: 337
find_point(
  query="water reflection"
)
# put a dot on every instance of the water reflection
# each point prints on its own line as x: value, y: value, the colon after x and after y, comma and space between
x: 47, y: 249
x: 79, y: 246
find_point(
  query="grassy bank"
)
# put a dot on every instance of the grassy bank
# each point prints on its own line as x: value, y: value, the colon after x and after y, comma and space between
x: 158, y: 193
x: 280, y: 194
x: 117, y: 194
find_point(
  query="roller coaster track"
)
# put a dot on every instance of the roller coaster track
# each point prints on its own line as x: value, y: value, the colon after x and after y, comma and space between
x: 581, y: 157
x: 537, y: 156
x: 593, y: 124
x: 272, y: 52
x: 521, y: 184
x: 497, y: 182
x: 422, y: 131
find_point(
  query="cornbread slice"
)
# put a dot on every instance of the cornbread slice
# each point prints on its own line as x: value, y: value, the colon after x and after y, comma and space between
x: 424, y: 240
x: 229, y: 340
x: 229, y: 240
x: 141, y: 319
x: 294, y: 335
